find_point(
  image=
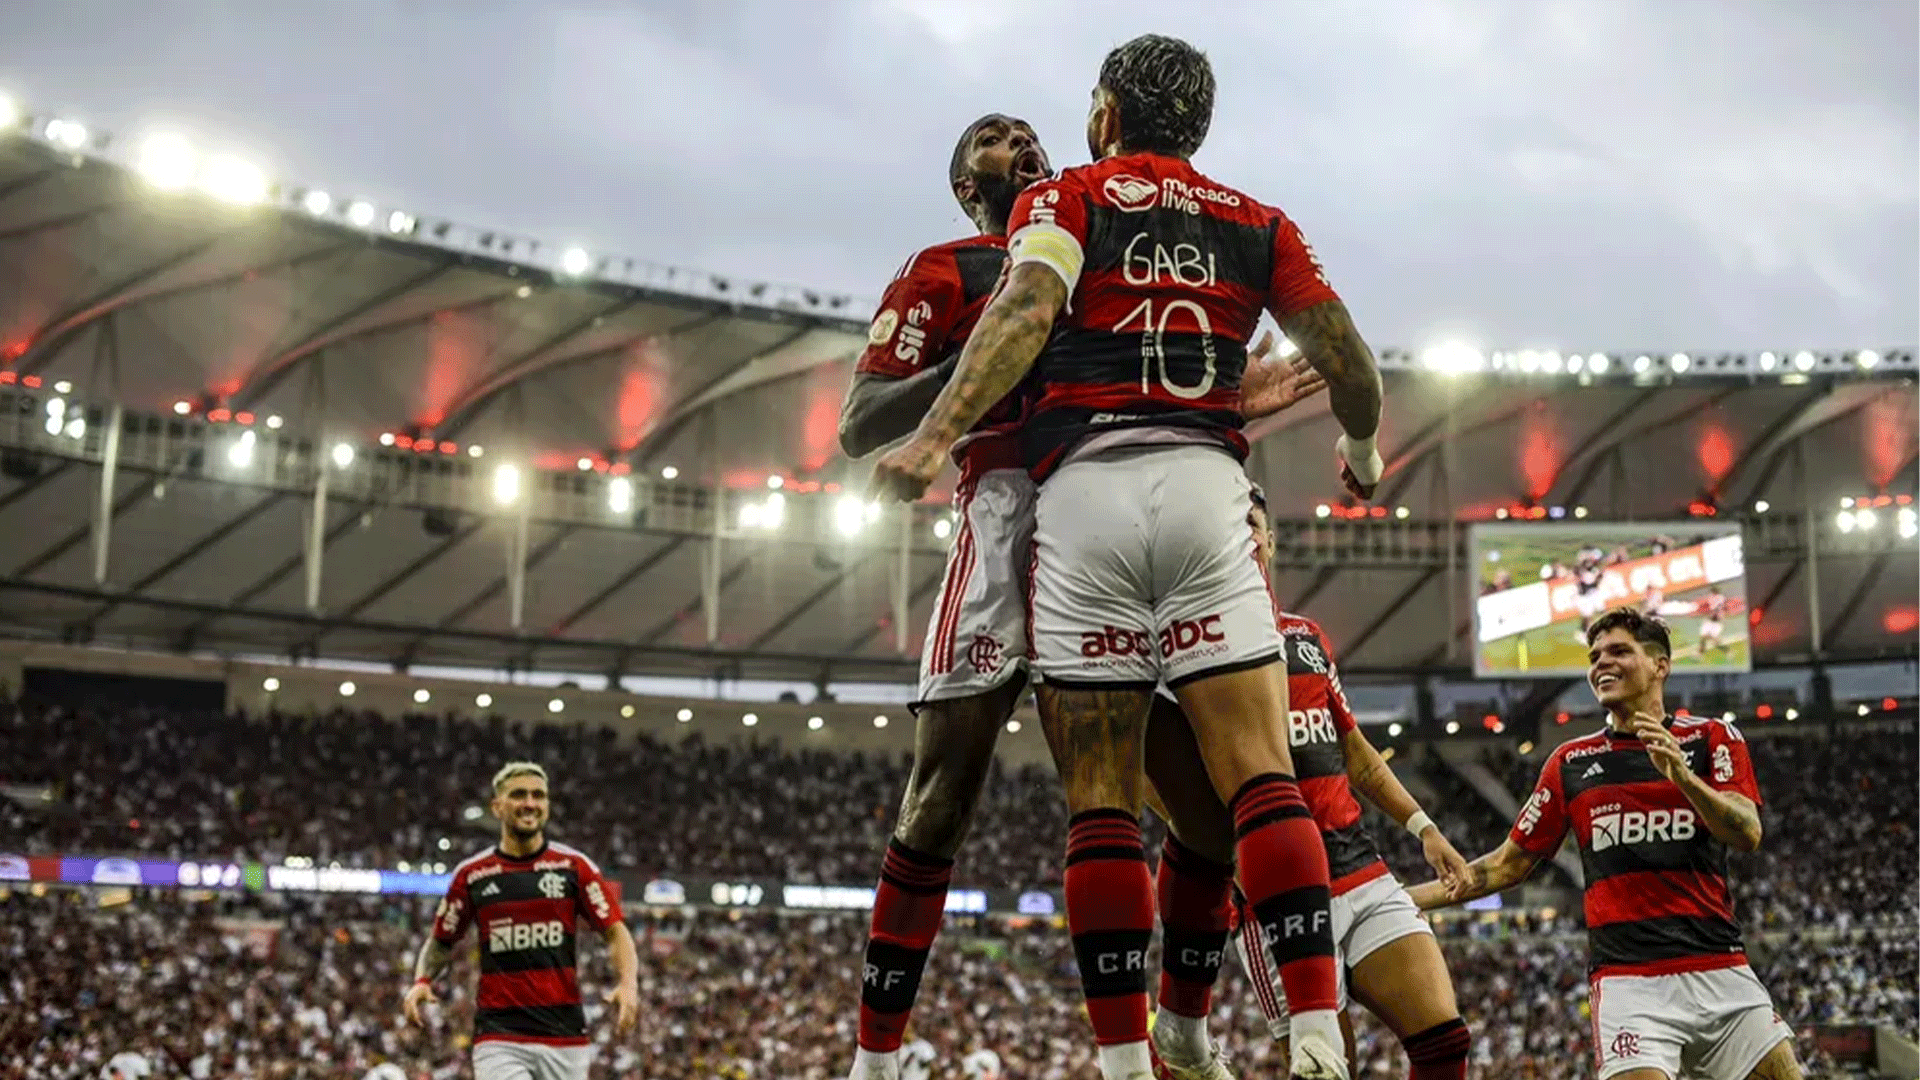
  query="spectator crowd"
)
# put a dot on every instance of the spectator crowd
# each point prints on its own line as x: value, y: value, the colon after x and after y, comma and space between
x: 284, y: 988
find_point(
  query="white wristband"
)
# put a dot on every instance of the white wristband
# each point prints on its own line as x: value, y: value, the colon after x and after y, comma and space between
x: 1362, y: 457
x: 1418, y: 823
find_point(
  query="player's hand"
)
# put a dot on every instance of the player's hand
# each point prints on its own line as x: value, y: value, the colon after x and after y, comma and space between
x: 417, y: 995
x: 1662, y: 747
x: 1446, y: 861
x: 625, y: 999
x: 904, y: 472
x: 1360, y: 466
x: 1271, y: 384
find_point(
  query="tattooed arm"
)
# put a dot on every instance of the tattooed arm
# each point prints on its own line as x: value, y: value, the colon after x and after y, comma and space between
x: 433, y: 960
x: 999, y: 353
x: 1498, y: 870
x: 1325, y: 335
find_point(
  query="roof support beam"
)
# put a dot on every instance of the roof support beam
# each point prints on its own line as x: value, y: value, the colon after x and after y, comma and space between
x: 193, y: 551
x: 59, y: 221
x: 812, y: 600
x: 1597, y: 455
x: 79, y: 536
x: 632, y: 574
x: 1386, y: 615
x: 658, y: 438
x: 393, y: 581
x: 278, y: 574
x: 1859, y: 596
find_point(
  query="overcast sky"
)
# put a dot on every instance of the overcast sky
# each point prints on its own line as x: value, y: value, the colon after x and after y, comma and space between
x: 1583, y: 174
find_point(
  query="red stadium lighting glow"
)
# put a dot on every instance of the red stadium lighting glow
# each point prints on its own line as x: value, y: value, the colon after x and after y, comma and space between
x: 1489, y: 721
x: 1537, y: 512
x: 220, y: 415
x: 7, y: 378
x: 1903, y: 500
x: 424, y: 446
x: 32, y: 382
x: 1883, y: 500
x: 404, y: 442
x: 1561, y: 718
x: 15, y: 349
x: 1701, y: 509
x: 1888, y: 704
x: 620, y: 468
x: 243, y: 418
x: 448, y: 448
x: 1902, y: 620
x: 1378, y: 511
x: 1764, y: 712
x: 1754, y: 616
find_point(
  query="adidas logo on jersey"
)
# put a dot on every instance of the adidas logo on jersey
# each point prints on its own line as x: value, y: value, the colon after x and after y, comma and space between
x: 1593, y: 770
x: 492, y: 889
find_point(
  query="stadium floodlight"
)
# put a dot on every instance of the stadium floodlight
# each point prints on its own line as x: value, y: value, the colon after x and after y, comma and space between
x: 1908, y: 523
x: 574, y: 261
x: 1402, y: 513
x: 483, y: 701
x: 400, y: 223
x: 360, y: 213
x: 776, y: 481
x: 342, y: 455
x: 555, y: 705
x: 506, y: 485
x: 1768, y: 361
x: 444, y: 844
x: 422, y: 696
x: 683, y: 715
x: 77, y: 428
x: 9, y: 113
x: 880, y: 721
x: 850, y: 515
x: 1323, y: 510
x: 750, y: 719
x: 1680, y: 362
x: 240, y: 451
x: 668, y: 472
x: 1762, y: 506
x: 1803, y: 360
x: 942, y: 528
x: 316, y: 202
x: 166, y: 162
x: 1013, y: 727
x: 475, y: 451
x: 1454, y: 358
x: 1453, y: 727
x: 523, y: 291
x: 1550, y: 362
x: 1867, y: 359
x: 347, y: 689
x: 620, y: 495
x: 1580, y: 512
x: 1865, y: 518
x: 386, y: 438
x: 1642, y: 364
x: 274, y: 422
x: 182, y: 407
x: 585, y: 464
x: 815, y: 723
x: 68, y: 133
x: 63, y: 387
x: 1393, y: 731
x: 271, y: 685
x: 1598, y: 363
x: 233, y: 181
x: 626, y: 712
x: 1846, y: 502
x: 1793, y: 714
x: 1844, y: 521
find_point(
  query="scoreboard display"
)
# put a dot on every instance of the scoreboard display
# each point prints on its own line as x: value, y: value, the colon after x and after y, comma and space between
x: 1538, y: 585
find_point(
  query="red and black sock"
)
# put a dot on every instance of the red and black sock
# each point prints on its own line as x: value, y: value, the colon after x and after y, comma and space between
x: 1283, y: 870
x: 1110, y: 915
x: 1193, y: 892
x: 1440, y: 1052
x: 907, y: 909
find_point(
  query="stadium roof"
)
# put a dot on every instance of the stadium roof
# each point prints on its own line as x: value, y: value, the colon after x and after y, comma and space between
x: 306, y: 323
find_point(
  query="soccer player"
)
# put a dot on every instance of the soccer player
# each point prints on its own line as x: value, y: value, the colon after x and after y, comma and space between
x: 1143, y: 280
x: 1654, y: 802
x: 528, y: 896
x: 1713, y: 625
x: 1386, y: 951
x: 973, y: 664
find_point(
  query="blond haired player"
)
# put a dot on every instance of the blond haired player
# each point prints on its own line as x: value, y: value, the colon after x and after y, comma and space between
x: 527, y: 896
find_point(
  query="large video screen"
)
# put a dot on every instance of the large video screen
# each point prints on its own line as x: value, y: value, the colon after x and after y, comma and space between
x: 1536, y: 586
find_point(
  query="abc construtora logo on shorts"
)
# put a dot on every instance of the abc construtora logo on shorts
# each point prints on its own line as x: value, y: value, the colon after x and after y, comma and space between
x: 1196, y: 637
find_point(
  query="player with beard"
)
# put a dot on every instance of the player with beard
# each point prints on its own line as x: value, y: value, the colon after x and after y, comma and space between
x: 973, y: 663
x: 528, y: 897
x: 1653, y: 802
x: 1134, y: 289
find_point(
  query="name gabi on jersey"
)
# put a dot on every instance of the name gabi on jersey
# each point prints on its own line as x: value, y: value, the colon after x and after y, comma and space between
x: 508, y: 936
x: 1611, y: 826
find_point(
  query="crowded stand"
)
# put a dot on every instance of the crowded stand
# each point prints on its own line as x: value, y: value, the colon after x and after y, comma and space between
x: 290, y: 987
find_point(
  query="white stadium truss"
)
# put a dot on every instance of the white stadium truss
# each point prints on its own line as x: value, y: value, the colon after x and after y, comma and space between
x: 243, y: 416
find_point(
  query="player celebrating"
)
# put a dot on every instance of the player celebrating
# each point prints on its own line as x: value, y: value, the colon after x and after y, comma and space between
x: 1157, y: 276
x: 527, y: 896
x: 1385, y: 950
x: 1714, y: 624
x: 972, y: 667
x: 1654, y: 802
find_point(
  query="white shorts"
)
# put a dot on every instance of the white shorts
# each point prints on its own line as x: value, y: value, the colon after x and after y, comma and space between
x: 501, y: 1060
x: 1703, y: 1025
x: 1710, y: 628
x: 1589, y: 604
x: 977, y: 637
x: 1365, y: 919
x: 1144, y: 570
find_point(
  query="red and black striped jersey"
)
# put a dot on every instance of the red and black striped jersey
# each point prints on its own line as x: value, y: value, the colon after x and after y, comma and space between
x: 527, y: 911
x: 1657, y: 899
x: 1167, y: 273
x: 924, y: 319
x: 1318, y: 719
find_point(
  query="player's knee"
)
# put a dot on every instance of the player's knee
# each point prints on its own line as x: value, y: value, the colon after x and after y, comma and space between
x: 934, y: 818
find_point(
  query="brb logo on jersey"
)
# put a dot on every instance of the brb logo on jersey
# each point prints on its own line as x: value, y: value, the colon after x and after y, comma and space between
x: 1639, y: 827
x: 1310, y: 726
x: 507, y: 936
x: 1131, y: 194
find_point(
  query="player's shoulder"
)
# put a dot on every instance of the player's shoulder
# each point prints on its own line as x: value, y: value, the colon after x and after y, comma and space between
x: 573, y: 855
x: 479, y: 859
x: 1713, y: 728
x: 1297, y: 625
x: 1593, y: 742
x: 942, y: 262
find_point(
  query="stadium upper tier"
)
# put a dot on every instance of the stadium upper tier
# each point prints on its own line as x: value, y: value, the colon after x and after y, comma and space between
x: 536, y: 454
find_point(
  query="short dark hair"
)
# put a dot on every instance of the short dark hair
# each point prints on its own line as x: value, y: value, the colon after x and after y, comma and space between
x: 957, y: 167
x: 1164, y: 89
x: 1649, y: 630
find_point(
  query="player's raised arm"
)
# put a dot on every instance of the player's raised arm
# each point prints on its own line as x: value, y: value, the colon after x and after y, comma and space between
x: 1729, y: 802
x: 1315, y: 319
x: 1000, y: 351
